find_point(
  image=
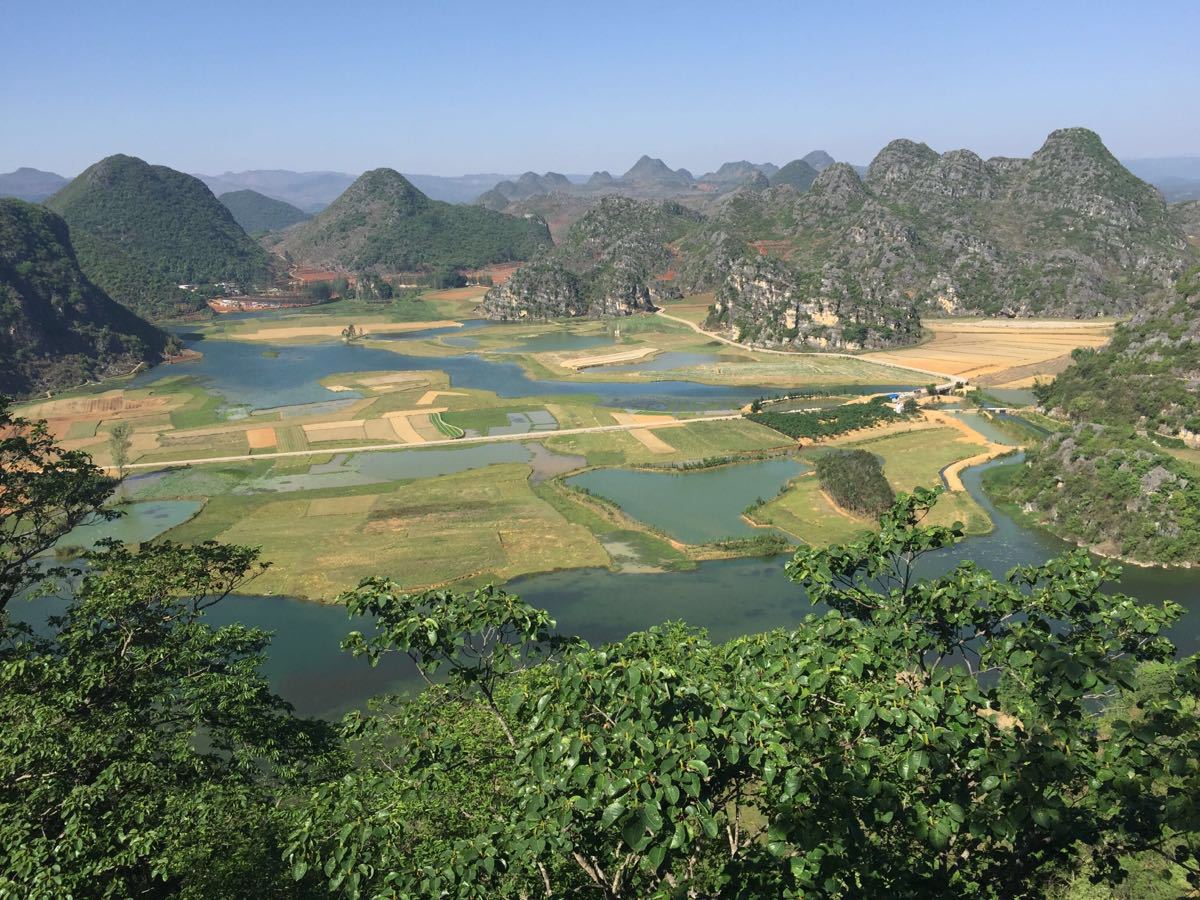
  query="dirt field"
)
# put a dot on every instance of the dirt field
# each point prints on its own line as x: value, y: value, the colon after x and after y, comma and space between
x: 646, y: 437
x: 498, y: 272
x: 608, y: 359
x: 261, y: 438
x: 999, y: 352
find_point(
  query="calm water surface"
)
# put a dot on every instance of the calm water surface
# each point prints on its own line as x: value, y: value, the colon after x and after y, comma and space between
x: 240, y: 373
x: 694, y: 507
x: 727, y: 597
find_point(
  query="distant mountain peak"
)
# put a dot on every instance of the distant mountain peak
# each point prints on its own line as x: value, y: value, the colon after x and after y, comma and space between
x: 818, y: 159
x: 899, y: 161
x: 33, y: 185
x: 649, y: 169
x: 798, y: 173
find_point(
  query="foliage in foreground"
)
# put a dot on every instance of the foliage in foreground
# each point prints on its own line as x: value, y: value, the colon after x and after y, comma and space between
x: 953, y: 736
x: 932, y: 737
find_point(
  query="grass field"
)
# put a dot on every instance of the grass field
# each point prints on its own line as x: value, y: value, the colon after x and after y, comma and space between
x: 497, y: 523
x: 452, y: 528
x: 911, y: 459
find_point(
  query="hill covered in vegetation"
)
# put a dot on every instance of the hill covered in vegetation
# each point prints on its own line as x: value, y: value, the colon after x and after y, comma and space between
x: 855, y: 481
x: 29, y: 184
x: 57, y: 329
x: 1109, y: 481
x: 1112, y: 490
x: 257, y: 213
x: 383, y: 223
x: 140, y: 231
x: 1147, y: 376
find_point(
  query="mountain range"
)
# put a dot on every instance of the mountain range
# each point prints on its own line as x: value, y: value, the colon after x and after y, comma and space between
x: 57, y: 328
x: 313, y: 191
x: 852, y: 261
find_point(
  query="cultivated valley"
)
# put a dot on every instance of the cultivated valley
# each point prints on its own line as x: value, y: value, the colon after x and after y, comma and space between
x: 797, y: 529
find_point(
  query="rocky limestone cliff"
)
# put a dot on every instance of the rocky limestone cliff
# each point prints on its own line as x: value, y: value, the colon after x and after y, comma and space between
x: 608, y: 264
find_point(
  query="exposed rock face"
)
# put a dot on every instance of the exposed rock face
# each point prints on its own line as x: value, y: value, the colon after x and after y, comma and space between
x: 851, y: 262
x: 1066, y: 232
x: 764, y: 302
x: 607, y: 265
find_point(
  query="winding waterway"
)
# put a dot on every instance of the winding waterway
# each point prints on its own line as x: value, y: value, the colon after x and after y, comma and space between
x: 244, y: 377
x: 726, y: 597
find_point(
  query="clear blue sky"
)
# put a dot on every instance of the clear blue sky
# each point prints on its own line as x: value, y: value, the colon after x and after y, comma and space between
x: 454, y: 87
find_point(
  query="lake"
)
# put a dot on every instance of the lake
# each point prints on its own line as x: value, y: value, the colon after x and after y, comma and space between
x: 694, y: 507
x: 240, y: 373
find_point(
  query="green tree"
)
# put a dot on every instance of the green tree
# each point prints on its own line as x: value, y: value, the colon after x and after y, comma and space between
x: 319, y: 290
x: 142, y: 752
x: 45, y: 492
x: 924, y: 737
x: 120, y: 439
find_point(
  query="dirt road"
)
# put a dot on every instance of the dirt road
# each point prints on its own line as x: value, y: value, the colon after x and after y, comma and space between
x: 456, y: 442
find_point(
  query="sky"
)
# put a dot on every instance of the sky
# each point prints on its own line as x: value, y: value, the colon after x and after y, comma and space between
x: 444, y: 87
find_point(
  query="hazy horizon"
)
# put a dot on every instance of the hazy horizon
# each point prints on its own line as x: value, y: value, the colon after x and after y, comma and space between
x: 476, y: 88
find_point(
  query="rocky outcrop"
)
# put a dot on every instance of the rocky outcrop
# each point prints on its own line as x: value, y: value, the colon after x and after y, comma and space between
x: 1068, y: 232
x: 764, y: 302
x: 844, y: 260
x: 614, y: 261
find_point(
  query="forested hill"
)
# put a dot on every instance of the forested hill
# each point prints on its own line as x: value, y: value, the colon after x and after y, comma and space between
x: 257, y: 213
x: 1147, y: 376
x: 140, y: 231
x: 1111, y: 481
x: 383, y: 223
x: 57, y: 329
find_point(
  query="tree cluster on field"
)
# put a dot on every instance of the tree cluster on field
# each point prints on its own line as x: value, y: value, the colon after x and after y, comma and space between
x: 960, y: 735
x: 855, y: 481
x: 829, y: 422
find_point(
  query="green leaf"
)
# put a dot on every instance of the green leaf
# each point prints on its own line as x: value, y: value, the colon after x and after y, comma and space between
x: 611, y: 813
